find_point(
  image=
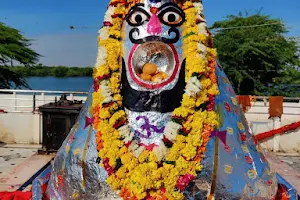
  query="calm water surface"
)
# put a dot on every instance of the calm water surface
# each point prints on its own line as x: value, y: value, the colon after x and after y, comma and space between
x: 82, y: 84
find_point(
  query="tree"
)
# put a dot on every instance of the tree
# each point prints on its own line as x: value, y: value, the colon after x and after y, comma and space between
x: 60, y: 71
x: 14, y: 48
x: 254, y: 52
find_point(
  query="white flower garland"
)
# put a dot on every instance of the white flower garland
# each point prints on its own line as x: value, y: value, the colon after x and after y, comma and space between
x: 104, y: 33
x: 101, y: 59
x: 199, y: 7
x: 136, y: 149
x: 106, y: 91
x: 193, y: 86
x: 171, y: 130
x: 126, y: 133
x: 108, y: 15
x: 160, y: 151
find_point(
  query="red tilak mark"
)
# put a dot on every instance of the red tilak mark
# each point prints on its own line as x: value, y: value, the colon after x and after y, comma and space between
x: 154, y: 10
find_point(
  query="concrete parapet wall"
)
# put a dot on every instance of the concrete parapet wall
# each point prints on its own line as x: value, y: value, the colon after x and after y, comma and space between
x: 21, y: 125
x: 258, y: 116
x: 20, y: 128
x: 26, y: 103
x: 21, y: 121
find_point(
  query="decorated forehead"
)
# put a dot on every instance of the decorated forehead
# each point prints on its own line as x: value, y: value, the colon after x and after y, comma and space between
x: 168, y: 12
x: 156, y: 3
x: 148, y: 4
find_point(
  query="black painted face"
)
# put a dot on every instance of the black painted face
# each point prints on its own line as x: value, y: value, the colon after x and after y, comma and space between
x: 161, y: 23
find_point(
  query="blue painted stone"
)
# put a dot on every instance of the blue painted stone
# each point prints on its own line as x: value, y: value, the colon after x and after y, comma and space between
x: 155, y: 1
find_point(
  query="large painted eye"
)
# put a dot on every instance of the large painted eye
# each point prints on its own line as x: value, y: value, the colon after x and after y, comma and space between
x: 137, y: 16
x: 172, y: 18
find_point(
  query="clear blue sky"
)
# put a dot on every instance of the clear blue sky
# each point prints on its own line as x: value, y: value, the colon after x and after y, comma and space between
x: 48, y: 21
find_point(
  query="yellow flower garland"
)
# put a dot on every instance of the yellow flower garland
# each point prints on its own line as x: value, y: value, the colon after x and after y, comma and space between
x: 143, y: 176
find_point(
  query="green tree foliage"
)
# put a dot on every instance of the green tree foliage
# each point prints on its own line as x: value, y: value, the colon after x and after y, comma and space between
x: 14, y: 48
x: 59, y: 71
x: 258, y: 60
x: 7, y: 77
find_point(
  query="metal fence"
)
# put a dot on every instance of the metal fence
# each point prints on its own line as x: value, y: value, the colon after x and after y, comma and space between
x: 30, y: 100
x: 26, y: 101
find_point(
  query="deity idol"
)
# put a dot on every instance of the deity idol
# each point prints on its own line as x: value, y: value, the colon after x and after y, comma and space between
x: 162, y: 120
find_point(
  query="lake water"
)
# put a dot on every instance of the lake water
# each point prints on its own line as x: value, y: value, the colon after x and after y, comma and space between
x: 82, y: 84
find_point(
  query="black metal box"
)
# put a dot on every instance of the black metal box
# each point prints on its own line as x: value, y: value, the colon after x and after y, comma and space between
x: 58, y: 119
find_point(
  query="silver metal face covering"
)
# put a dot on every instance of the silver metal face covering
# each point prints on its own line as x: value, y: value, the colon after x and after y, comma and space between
x: 148, y: 38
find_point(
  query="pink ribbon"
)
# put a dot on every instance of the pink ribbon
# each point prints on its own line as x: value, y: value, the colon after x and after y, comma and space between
x: 88, y: 121
x: 220, y: 134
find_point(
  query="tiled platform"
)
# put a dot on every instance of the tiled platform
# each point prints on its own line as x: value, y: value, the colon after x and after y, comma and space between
x: 18, y: 164
x: 289, y: 173
x: 12, y: 157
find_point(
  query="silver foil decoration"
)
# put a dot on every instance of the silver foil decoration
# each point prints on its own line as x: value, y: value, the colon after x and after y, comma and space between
x: 148, y: 126
x: 75, y: 172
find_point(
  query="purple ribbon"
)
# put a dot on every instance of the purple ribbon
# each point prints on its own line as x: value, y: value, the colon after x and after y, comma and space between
x: 147, y: 127
x: 88, y: 121
x: 221, y: 134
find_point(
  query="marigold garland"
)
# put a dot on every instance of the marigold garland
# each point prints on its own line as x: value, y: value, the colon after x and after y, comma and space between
x: 279, y: 131
x: 166, y: 171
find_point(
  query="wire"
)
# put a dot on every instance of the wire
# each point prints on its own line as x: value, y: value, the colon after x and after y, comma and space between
x: 71, y: 27
x: 258, y: 70
x: 213, y: 29
x: 250, y: 26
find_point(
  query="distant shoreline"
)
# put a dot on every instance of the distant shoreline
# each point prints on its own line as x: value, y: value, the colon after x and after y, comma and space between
x: 56, y: 71
x: 60, y: 77
x: 50, y: 83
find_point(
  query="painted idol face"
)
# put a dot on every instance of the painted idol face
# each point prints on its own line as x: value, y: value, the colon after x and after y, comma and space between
x: 153, y: 67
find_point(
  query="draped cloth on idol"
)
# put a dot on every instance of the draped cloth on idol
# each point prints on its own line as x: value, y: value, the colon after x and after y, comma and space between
x: 162, y: 120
